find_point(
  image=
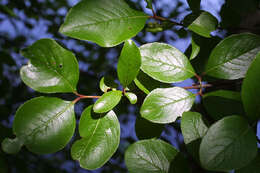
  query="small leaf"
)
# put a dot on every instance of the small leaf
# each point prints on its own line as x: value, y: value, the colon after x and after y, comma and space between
x: 51, y: 68
x: 149, y: 4
x: 146, y: 84
x: 192, y: 126
x: 107, y: 83
x: 204, y: 24
x: 45, y: 124
x: 250, y: 90
x: 195, y: 48
x: 252, y: 167
x: 229, y: 102
x: 148, y: 156
x: 165, y: 105
x: 131, y: 97
x: 107, y: 23
x: 165, y: 63
x: 194, y: 4
x: 100, y: 139
x: 129, y: 63
x: 145, y: 129
x: 229, y: 144
x: 231, y: 58
x: 12, y: 146
x: 107, y: 101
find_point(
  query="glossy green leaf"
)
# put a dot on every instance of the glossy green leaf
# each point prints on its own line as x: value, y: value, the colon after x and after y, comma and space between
x: 195, y: 48
x: 107, y: 101
x: 252, y: 167
x: 148, y: 156
x: 45, y: 124
x: 100, y: 139
x: 229, y: 102
x: 250, y: 90
x: 146, y: 84
x: 164, y: 105
x: 51, y: 68
x: 231, y: 58
x: 165, y: 63
x: 194, y: 4
x: 12, y: 146
x: 149, y: 4
x: 192, y: 126
x: 131, y: 97
x: 129, y: 63
x: 106, y: 83
x: 229, y: 144
x: 204, y: 24
x: 145, y: 129
x: 107, y: 23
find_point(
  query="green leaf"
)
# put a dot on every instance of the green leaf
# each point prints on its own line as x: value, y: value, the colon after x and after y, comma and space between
x: 45, y: 124
x: 229, y: 144
x: 165, y: 63
x: 107, y: 101
x: 145, y: 129
x: 100, y: 139
x: 165, y: 105
x: 129, y: 63
x: 250, y: 90
x: 252, y: 167
x: 51, y: 68
x: 106, y: 83
x: 107, y: 23
x: 146, y: 84
x: 195, y: 48
x: 131, y: 97
x: 231, y: 58
x: 11, y: 146
x: 192, y: 126
x: 229, y: 102
x: 204, y: 24
x: 148, y: 156
x: 149, y: 4
x: 194, y: 4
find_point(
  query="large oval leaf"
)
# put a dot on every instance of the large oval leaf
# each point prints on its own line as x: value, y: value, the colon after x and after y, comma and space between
x: 107, y: 23
x: 229, y: 144
x: 107, y: 101
x: 165, y: 63
x: 229, y: 102
x: 100, y: 139
x: 45, y: 124
x: 129, y: 63
x: 250, y: 90
x: 51, y: 68
x: 165, y: 105
x: 148, y: 156
x: 204, y: 24
x: 231, y: 58
x: 192, y: 126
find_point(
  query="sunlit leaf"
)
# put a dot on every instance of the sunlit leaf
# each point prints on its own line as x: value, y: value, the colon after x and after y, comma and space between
x: 51, y: 68
x: 165, y: 63
x: 164, y: 105
x: 129, y: 63
x: 100, y: 138
x: 45, y: 124
x: 229, y: 144
x: 231, y: 58
x: 148, y: 156
x: 107, y: 101
x: 107, y: 23
x: 131, y: 97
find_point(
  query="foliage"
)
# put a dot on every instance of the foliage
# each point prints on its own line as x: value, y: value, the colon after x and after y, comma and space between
x: 221, y: 140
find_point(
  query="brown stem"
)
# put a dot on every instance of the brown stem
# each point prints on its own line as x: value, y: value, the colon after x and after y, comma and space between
x: 80, y: 96
x: 165, y: 19
x: 198, y: 86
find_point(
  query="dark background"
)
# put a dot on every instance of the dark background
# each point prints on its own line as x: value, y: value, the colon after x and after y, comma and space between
x: 23, y: 22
